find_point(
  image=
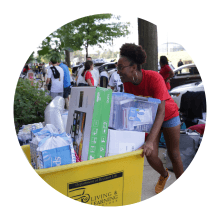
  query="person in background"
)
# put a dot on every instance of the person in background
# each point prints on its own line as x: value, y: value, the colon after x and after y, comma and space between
x: 34, y: 68
x: 40, y: 68
x: 37, y: 69
x: 150, y: 83
x: 44, y: 71
x: 94, y: 72
x: 86, y: 79
x: 49, y: 65
x: 56, y: 76
x: 66, y: 83
x: 71, y: 79
x: 74, y: 77
x: 166, y: 72
x: 103, y: 80
x: 115, y: 81
x: 26, y: 68
x: 180, y: 63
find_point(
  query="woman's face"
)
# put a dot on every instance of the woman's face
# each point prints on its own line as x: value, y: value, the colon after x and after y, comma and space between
x: 125, y: 71
x: 91, y: 68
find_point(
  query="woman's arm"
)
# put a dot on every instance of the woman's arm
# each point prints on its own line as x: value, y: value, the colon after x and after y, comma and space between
x: 170, y: 76
x: 89, y: 82
x: 148, y: 145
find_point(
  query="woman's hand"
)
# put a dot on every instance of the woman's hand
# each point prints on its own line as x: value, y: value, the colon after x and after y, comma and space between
x: 147, y: 147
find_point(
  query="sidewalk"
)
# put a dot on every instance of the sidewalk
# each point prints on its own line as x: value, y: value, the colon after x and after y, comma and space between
x: 150, y: 177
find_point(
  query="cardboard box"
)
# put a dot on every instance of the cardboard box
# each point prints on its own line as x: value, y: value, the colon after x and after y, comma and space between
x: 88, y: 120
x: 120, y: 142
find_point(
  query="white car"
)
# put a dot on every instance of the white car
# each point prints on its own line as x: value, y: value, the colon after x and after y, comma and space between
x: 189, y: 74
x: 177, y: 92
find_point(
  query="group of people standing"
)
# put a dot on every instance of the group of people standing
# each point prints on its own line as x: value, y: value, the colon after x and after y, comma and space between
x: 88, y: 76
x: 59, y: 79
x: 39, y: 68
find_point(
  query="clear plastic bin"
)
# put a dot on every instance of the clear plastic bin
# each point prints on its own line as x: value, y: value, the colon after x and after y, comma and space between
x: 133, y: 113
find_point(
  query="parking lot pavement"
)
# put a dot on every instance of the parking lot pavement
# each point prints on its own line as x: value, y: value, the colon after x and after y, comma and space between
x: 150, y: 177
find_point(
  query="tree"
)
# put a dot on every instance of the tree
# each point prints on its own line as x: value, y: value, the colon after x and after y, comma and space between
x: 29, y: 103
x: 148, y: 40
x: 50, y: 48
x: 69, y: 41
x: 31, y: 58
x: 94, y: 30
x: 84, y: 32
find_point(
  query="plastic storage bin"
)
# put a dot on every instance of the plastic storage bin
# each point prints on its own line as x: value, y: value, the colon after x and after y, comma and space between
x: 133, y: 113
x: 108, y: 181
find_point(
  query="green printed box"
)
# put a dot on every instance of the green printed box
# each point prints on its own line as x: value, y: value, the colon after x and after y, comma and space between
x: 88, y: 120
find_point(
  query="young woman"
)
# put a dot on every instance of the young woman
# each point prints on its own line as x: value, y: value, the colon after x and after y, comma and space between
x: 166, y: 72
x: 151, y: 84
x: 86, y: 78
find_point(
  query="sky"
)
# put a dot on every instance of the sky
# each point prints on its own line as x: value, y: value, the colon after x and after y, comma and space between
x: 164, y: 34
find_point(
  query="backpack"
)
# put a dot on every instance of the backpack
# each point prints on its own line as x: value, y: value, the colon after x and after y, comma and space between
x: 56, y: 73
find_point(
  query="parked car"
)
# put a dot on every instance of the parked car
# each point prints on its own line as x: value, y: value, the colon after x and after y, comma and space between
x: 188, y: 75
x: 177, y: 92
x: 107, y: 66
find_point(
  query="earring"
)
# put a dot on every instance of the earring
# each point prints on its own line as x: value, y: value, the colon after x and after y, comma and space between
x: 135, y: 81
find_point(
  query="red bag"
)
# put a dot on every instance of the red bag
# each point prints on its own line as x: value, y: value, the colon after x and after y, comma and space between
x: 199, y: 128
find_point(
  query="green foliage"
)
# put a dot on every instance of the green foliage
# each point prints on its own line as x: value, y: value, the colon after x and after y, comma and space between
x: 94, y: 30
x: 84, y: 32
x: 47, y: 52
x: 31, y: 58
x: 29, y: 104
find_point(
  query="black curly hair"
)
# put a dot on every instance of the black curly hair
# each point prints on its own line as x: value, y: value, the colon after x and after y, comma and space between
x: 134, y: 54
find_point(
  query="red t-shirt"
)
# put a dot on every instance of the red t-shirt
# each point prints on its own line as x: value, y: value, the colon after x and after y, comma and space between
x: 165, y: 73
x: 89, y: 76
x: 152, y: 85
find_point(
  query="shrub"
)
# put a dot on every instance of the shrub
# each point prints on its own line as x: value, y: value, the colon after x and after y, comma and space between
x: 29, y: 104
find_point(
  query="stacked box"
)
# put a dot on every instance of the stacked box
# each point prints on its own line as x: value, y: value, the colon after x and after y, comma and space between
x: 88, y: 121
x: 133, y: 113
x: 120, y: 142
x: 131, y: 116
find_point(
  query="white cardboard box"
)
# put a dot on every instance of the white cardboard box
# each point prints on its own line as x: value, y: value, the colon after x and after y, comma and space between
x: 120, y: 142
